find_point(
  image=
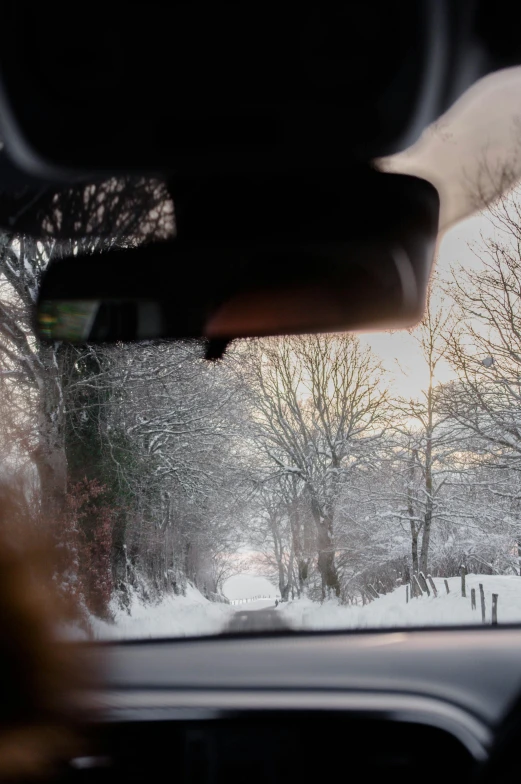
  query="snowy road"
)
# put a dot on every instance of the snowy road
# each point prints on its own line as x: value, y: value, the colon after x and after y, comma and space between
x: 266, y: 619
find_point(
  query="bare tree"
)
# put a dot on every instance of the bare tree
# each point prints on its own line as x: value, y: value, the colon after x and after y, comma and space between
x: 39, y: 377
x: 426, y: 441
x: 484, y: 348
x: 485, y: 342
x: 319, y: 409
x: 91, y: 218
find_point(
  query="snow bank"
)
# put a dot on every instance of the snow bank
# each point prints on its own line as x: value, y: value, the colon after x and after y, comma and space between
x: 392, y: 610
x: 174, y: 616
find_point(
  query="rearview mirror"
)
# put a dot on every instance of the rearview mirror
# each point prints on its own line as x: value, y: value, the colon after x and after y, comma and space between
x: 362, y: 266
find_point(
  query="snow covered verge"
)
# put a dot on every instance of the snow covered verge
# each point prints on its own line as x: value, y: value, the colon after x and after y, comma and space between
x: 173, y: 616
x: 392, y: 610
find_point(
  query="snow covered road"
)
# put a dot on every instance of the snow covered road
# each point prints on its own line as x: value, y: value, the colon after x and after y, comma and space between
x: 259, y: 620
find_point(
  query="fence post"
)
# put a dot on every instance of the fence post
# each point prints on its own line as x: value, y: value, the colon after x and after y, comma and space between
x: 473, y: 598
x: 434, y: 589
x: 463, y: 590
x: 447, y: 585
x: 417, y: 586
x: 406, y: 594
x: 424, y: 584
x: 494, y: 609
x: 482, y: 594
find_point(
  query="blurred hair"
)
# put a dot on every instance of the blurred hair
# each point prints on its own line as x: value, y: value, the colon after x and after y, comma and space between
x: 39, y: 676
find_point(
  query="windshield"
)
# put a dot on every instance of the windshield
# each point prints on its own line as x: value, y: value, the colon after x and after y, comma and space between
x: 300, y: 483
x: 312, y: 482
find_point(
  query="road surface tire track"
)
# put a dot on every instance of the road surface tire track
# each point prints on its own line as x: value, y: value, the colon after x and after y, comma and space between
x: 248, y: 621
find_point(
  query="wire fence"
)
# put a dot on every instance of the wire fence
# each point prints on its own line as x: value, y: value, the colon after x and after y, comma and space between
x: 421, y: 585
x: 251, y: 599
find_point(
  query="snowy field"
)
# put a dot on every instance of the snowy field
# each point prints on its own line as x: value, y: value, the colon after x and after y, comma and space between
x: 193, y: 615
x: 392, y: 610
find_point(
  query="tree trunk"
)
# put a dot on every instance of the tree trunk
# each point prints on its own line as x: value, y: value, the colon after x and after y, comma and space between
x: 283, y: 585
x: 414, y: 549
x: 426, y: 538
x: 425, y: 545
x: 326, y: 561
x: 326, y: 551
x: 50, y: 455
x: 284, y: 574
x: 296, y: 536
x: 51, y: 465
x: 427, y: 524
x: 303, y: 574
x: 410, y: 510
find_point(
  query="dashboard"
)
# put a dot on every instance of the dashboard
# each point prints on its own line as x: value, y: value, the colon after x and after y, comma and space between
x: 300, y: 707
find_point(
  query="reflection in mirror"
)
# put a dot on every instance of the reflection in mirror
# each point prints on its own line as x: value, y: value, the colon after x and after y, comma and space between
x: 79, y: 321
